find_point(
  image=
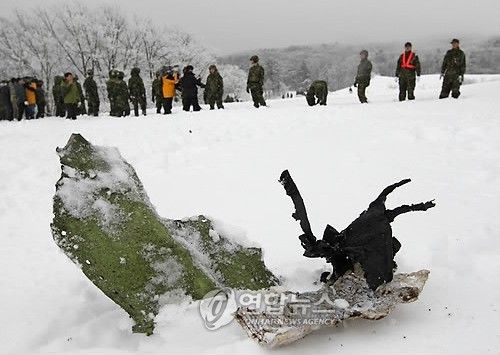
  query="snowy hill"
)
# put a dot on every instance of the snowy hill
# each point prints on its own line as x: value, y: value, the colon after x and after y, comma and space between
x: 227, y: 163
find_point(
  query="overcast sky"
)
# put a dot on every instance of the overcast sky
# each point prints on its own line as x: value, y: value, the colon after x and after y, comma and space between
x: 229, y: 26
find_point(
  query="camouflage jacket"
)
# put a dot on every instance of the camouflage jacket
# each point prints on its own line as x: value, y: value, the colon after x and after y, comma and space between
x: 454, y: 62
x: 91, y: 91
x: 156, y: 88
x: 214, y: 85
x: 318, y: 87
x: 57, y: 91
x: 112, y: 88
x: 122, y: 94
x: 40, y: 96
x: 136, y: 86
x: 80, y: 91
x: 364, y: 72
x: 255, y: 75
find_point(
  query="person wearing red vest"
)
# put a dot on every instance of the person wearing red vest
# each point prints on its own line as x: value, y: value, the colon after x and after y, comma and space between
x: 407, y: 70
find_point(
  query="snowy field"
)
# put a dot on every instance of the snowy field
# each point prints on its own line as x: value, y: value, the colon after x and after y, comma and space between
x: 226, y: 164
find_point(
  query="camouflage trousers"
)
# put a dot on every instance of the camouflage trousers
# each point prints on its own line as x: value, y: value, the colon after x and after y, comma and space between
x: 407, y: 82
x: 451, y: 83
x: 158, y: 103
x: 93, y: 107
x: 362, y: 92
x: 139, y: 101
x: 257, y: 95
x: 60, y: 109
x: 212, y: 100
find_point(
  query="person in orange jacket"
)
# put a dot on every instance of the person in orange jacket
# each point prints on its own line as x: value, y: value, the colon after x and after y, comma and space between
x: 169, y: 80
x: 30, y: 98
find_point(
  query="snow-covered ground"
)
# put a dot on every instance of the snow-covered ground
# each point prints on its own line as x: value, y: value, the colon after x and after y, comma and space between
x: 226, y: 164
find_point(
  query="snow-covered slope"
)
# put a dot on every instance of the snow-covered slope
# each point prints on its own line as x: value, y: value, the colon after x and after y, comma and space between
x: 227, y: 163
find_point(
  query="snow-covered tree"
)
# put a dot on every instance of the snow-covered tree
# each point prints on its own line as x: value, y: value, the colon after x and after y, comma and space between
x: 235, y: 81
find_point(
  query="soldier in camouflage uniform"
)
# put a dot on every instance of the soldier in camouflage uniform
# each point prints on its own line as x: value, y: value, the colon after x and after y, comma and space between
x: 41, y: 101
x: 60, y: 110
x: 123, y: 94
x: 112, y: 89
x: 156, y: 92
x: 91, y: 93
x: 255, y: 82
x: 318, y: 90
x: 363, y: 76
x: 82, y: 110
x: 137, y: 91
x: 214, y: 88
x: 408, y: 68
x: 453, y: 70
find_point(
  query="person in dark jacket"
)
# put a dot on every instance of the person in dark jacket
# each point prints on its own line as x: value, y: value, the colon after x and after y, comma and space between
x: 255, y: 82
x: 82, y: 109
x: 20, y: 97
x: 91, y: 94
x: 317, y: 93
x: 71, y: 96
x: 408, y: 68
x: 137, y: 91
x: 156, y: 92
x: 60, y: 109
x: 453, y: 70
x: 5, y: 103
x: 363, y: 76
x: 41, y: 101
x: 189, y: 86
x: 123, y: 95
x: 214, y: 88
x: 13, y: 97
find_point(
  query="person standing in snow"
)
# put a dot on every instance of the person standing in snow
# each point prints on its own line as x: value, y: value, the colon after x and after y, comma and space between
x: 255, y: 82
x: 363, y: 76
x: 20, y: 97
x: 123, y: 96
x: 168, y: 83
x: 30, y: 93
x: 112, y: 89
x: 71, y: 96
x: 82, y: 109
x: 214, y: 88
x: 13, y: 98
x: 156, y: 89
x: 58, y: 97
x: 453, y: 70
x: 91, y: 93
x: 41, y: 102
x: 189, y: 85
x: 408, y: 68
x: 137, y: 91
x: 5, y: 102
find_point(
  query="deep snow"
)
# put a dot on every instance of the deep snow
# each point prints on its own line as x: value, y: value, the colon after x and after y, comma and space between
x: 226, y: 164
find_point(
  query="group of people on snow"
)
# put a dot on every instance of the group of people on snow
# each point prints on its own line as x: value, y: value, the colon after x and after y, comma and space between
x: 25, y: 97
x: 408, y: 69
x: 22, y: 97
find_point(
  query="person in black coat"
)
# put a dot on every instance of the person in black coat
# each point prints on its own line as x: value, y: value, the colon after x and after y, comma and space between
x: 5, y: 103
x: 189, y: 86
